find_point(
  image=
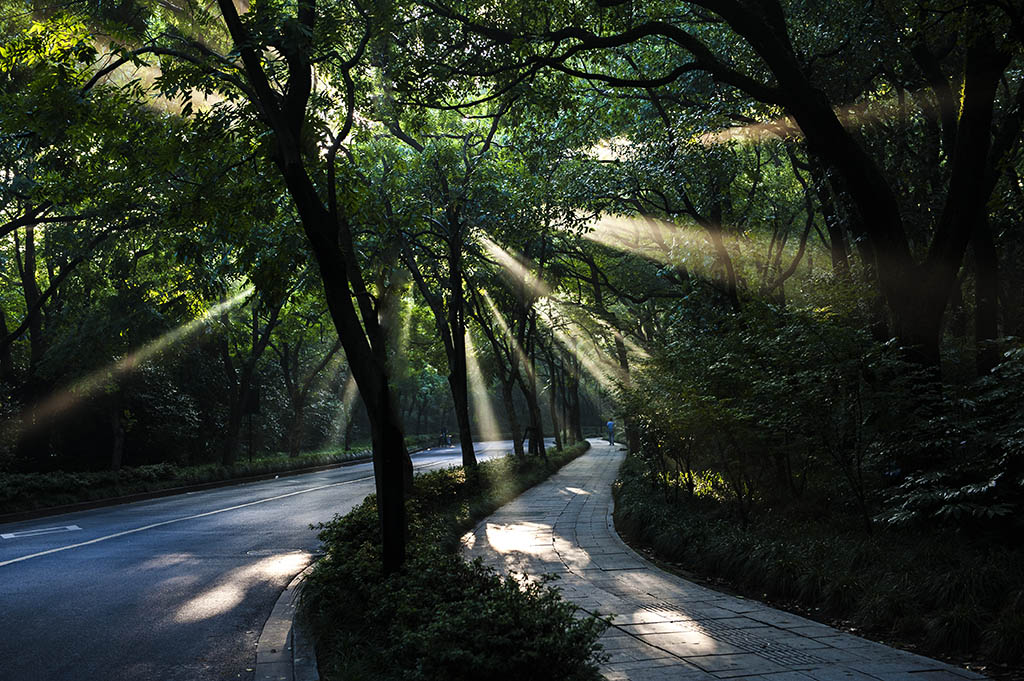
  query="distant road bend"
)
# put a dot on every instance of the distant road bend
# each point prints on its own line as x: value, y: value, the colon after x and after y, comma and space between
x: 176, y: 588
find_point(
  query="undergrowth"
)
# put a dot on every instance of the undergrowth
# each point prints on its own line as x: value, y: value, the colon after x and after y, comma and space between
x: 441, y: 617
x: 942, y: 592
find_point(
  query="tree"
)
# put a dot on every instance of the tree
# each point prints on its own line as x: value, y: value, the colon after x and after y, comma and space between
x: 764, y: 52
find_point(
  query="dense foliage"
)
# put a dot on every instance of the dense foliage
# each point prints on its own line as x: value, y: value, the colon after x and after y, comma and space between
x: 779, y: 239
x: 944, y: 594
x: 844, y: 427
x: 442, y: 617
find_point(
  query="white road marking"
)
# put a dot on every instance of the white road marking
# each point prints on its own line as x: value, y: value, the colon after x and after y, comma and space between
x: 177, y: 520
x: 58, y: 549
x: 37, y: 532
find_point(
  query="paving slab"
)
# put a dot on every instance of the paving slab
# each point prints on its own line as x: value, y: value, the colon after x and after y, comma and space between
x: 662, y: 626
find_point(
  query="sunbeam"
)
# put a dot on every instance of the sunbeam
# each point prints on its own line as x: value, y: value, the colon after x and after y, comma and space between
x: 564, y: 307
x: 648, y: 237
x: 524, y: 360
x: 515, y: 268
x: 483, y: 410
x: 759, y: 258
x: 851, y: 116
x: 605, y: 374
x: 344, y: 414
x: 66, y: 400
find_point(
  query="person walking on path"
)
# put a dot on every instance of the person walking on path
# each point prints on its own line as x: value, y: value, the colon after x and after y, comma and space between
x: 611, y: 432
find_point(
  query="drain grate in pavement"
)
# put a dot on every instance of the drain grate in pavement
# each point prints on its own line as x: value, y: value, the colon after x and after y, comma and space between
x: 741, y: 638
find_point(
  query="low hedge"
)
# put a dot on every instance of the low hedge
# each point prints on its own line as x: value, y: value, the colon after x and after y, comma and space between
x: 21, y: 492
x: 942, y: 595
x: 441, y: 617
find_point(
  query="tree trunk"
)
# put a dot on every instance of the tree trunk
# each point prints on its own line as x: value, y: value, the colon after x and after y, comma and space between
x: 513, y: 418
x: 632, y: 432
x: 916, y: 294
x: 389, y: 471
x: 457, y: 379
x: 233, y: 431
x: 529, y: 388
x: 295, y: 431
x: 25, y: 258
x: 575, y: 422
x: 986, y: 289
x: 367, y: 358
x: 6, y: 359
x: 421, y: 407
x: 553, y: 409
x: 838, y: 249
x: 117, y: 433
x: 330, y: 238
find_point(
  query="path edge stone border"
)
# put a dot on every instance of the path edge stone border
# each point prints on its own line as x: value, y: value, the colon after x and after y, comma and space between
x: 285, y: 651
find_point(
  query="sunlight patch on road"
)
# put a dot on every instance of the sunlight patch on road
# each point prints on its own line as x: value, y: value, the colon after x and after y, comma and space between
x: 528, y: 538
x: 231, y: 589
x: 166, y: 560
x: 577, y: 490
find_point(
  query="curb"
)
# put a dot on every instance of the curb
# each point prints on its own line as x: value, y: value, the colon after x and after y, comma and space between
x: 284, y: 651
x: 610, y: 520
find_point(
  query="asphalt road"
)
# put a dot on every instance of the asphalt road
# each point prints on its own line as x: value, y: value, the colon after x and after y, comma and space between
x: 176, y: 588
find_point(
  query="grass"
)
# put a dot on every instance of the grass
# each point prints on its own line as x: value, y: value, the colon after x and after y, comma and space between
x: 441, y: 617
x: 942, y: 595
x: 21, y: 492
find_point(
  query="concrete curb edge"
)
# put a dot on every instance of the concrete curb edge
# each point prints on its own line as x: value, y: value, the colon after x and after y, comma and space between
x: 284, y: 651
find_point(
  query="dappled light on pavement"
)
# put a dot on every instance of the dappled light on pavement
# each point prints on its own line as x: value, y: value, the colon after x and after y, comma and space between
x: 664, y: 627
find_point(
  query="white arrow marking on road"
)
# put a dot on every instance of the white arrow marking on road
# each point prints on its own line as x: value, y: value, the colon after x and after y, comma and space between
x: 37, y: 532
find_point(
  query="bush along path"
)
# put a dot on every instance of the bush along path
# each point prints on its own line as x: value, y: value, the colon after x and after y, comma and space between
x: 441, y: 617
x: 662, y: 626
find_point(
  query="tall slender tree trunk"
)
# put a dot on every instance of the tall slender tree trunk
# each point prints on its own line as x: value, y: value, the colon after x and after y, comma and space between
x: 575, y: 421
x: 233, y: 430
x: 297, y: 428
x: 632, y: 432
x: 458, y: 381
x: 529, y: 387
x: 6, y: 359
x: 553, y: 409
x: 986, y: 301
x: 367, y: 358
x: 508, y: 400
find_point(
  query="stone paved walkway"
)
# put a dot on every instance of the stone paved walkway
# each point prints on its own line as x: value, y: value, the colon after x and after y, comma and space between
x: 666, y: 627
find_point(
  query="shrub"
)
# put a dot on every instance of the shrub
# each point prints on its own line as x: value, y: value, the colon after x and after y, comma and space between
x: 948, y: 592
x: 441, y: 617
